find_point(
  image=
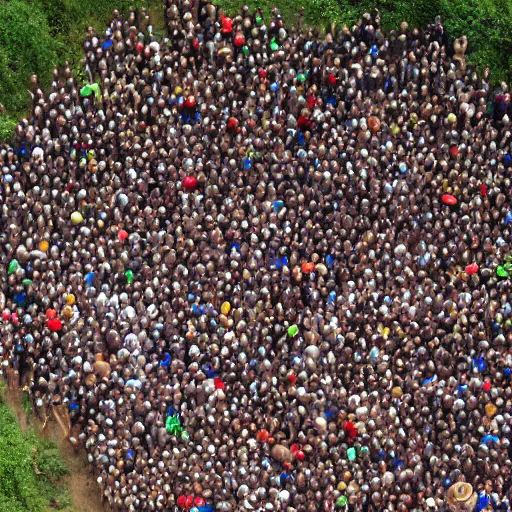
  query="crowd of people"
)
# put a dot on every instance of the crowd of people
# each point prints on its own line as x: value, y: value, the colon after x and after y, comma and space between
x: 257, y: 267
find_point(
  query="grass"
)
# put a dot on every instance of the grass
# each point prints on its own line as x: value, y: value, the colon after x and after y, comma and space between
x: 31, y: 470
x: 157, y: 17
x: 26, y: 404
x: 38, y: 35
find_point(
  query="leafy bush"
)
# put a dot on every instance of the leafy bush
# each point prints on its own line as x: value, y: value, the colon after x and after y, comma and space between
x: 49, y: 461
x: 487, y: 25
x: 7, y: 125
x: 26, y: 47
x: 26, y: 403
x: 22, y: 456
x: 38, y: 35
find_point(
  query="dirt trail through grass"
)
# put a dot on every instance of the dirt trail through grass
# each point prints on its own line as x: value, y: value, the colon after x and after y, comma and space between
x: 84, y: 489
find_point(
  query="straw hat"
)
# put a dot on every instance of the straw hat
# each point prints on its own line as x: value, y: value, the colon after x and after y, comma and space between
x: 461, y: 497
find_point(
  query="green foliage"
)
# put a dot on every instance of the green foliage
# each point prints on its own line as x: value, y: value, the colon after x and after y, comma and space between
x: 26, y: 47
x: 26, y: 403
x: 49, y: 461
x: 487, y: 25
x: 68, y: 21
x: 21, y: 456
x: 7, y: 125
x: 38, y: 35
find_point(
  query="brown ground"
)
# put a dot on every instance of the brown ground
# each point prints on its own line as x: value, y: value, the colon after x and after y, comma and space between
x: 82, y: 483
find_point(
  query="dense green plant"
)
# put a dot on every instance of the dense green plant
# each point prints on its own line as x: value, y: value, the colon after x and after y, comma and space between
x: 7, y: 125
x: 30, y: 469
x: 26, y: 403
x: 26, y: 47
x: 38, y: 35
x: 49, y: 461
x: 487, y: 25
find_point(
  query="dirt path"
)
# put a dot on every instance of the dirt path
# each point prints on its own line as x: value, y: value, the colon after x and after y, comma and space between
x: 82, y: 483
x: 13, y: 398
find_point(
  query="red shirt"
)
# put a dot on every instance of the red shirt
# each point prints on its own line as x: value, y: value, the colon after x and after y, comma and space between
x: 227, y: 25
